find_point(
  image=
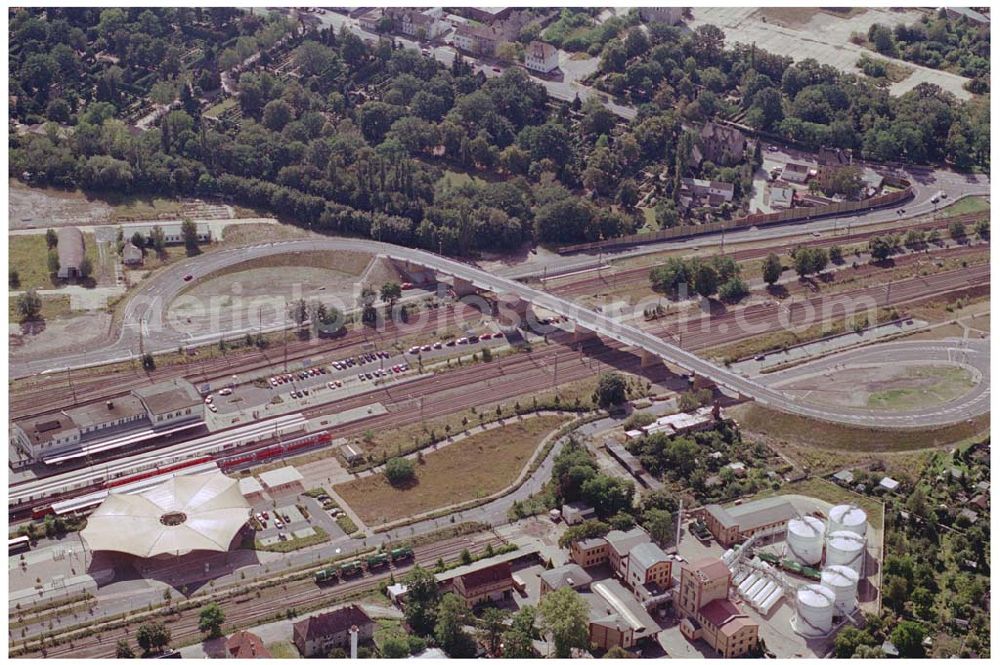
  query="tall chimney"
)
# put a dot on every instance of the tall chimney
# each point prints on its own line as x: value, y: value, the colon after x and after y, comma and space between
x: 354, y: 642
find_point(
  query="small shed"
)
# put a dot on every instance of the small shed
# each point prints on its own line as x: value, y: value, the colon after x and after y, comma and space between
x: 131, y: 255
x: 251, y: 489
x: 889, y: 484
x: 71, y: 252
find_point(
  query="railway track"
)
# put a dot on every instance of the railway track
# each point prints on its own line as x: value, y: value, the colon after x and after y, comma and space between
x: 299, y: 593
x: 640, y: 276
x: 62, y: 394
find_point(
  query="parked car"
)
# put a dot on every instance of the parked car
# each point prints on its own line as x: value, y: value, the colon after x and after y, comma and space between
x: 188, y: 278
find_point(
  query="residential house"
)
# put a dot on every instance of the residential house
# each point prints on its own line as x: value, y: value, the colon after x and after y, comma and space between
x: 737, y: 523
x: 71, y: 252
x: 570, y: 575
x: 683, y: 423
x: 793, y: 172
x: 370, y: 20
x: 494, y: 583
x: 541, y: 57
x: 703, y: 601
x: 486, y: 15
x: 844, y: 477
x: 414, y: 23
x: 720, y: 144
x: 707, y: 192
x: 889, y: 484
x: 834, y: 157
x: 318, y: 634
x: 668, y: 15
x: 484, y: 39
x: 245, y: 644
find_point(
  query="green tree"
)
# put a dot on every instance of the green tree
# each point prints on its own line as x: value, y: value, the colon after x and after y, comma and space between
x: 390, y: 293
x: 908, y: 636
x: 13, y: 278
x: 157, y: 240
x: 771, y: 268
x: 399, y: 471
x: 395, y: 646
x: 611, y: 390
x: 517, y: 640
x: 448, y: 631
x: 659, y: 524
x: 189, y: 232
x: 733, y: 290
x: 123, y: 649
x: 53, y: 264
x: 706, y: 280
x: 421, y: 600
x: 983, y: 229
x: 849, y: 639
x: 51, y: 239
x: 880, y: 248
x: 152, y: 636
x: 565, y: 617
x: 86, y: 268
x: 148, y: 362
x: 299, y: 312
x: 957, y: 231
x: 210, y: 620
x: 28, y: 306
x: 493, y: 623
x: 618, y: 652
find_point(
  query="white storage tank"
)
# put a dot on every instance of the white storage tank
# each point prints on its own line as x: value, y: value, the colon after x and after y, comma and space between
x: 739, y: 577
x: 848, y: 518
x: 846, y: 548
x: 843, y: 581
x: 762, y: 595
x: 771, y: 601
x: 755, y: 589
x: 747, y: 583
x: 813, y: 610
x: 805, y: 539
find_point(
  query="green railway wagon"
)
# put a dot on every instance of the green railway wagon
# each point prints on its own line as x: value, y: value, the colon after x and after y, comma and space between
x: 811, y: 573
x: 793, y: 566
x: 401, y: 553
x: 350, y: 568
x: 768, y: 557
x: 326, y: 575
x: 377, y: 560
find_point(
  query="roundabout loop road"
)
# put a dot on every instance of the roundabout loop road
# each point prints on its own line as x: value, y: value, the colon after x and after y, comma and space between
x: 147, y: 309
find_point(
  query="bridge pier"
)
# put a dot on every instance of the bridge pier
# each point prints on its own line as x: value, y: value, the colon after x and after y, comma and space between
x: 463, y: 287
x: 699, y: 382
x: 581, y: 334
x: 649, y: 359
x: 512, y: 311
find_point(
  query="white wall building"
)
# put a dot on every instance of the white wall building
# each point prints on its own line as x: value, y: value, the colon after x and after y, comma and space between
x: 541, y: 57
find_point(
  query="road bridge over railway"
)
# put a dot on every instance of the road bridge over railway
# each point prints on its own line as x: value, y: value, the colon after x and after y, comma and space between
x: 148, y: 307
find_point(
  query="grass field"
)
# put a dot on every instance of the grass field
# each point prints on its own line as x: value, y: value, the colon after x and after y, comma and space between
x: 283, y: 650
x: 29, y: 256
x: 947, y: 384
x: 780, y: 426
x: 136, y: 207
x: 221, y: 107
x: 967, y: 205
x: 450, y: 179
x: 475, y: 467
x: 52, y: 307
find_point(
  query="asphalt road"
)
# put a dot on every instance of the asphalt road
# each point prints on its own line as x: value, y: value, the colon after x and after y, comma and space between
x: 972, y: 354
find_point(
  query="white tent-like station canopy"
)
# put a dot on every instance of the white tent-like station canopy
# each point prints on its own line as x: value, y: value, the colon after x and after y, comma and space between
x: 183, y: 514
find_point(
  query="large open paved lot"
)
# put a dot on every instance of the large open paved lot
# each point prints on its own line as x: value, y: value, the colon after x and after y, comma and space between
x: 824, y: 37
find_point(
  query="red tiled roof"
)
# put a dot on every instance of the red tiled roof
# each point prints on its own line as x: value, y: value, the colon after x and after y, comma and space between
x: 486, y: 576
x: 732, y: 627
x: 331, y: 623
x: 719, y: 612
x: 245, y: 644
x: 711, y: 567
